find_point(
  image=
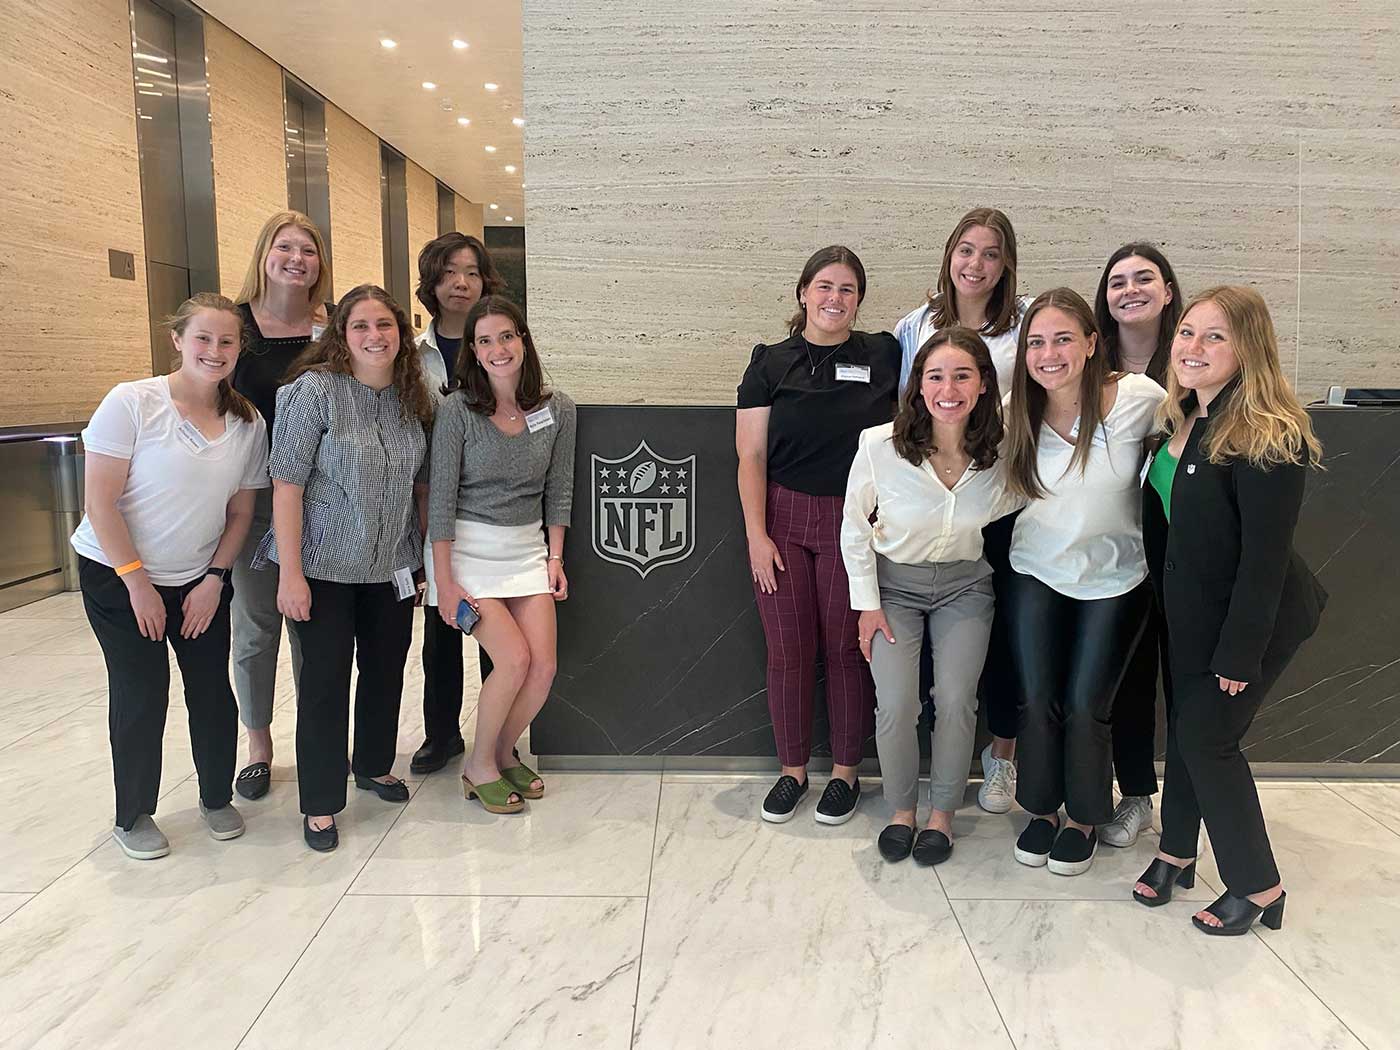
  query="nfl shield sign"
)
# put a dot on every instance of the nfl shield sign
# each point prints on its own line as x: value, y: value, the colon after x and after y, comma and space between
x: 643, y: 509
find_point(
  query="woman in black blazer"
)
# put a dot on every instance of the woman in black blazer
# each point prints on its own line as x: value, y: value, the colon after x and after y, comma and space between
x: 1237, y: 600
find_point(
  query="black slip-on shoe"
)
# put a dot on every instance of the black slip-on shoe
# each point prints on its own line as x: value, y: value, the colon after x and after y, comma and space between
x: 1034, y: 845
x: 1073, y: 852
x: 395, y: 792
x: 321, y: 841
x: 838, y: 802
x: 932, y: 847
x: 433, y: 755
x: 895, y: 842
x: 782, y: 799
x: 253, y: 781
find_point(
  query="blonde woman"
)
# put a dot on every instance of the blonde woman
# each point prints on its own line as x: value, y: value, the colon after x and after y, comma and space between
x: 283, y: 308
x: 1219, y: 509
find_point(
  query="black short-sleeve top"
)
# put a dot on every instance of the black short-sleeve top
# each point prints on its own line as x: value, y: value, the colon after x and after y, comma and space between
x: 263, y: 364
x: 820, y: 398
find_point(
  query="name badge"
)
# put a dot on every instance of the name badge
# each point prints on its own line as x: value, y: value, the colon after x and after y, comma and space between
x: 403, y: 583
x: 853, y: 373
x: 317, y: 330
x: 190, y: 436
x: 1146, y: 466
x: 1100, y: 439
x: 539, y: 419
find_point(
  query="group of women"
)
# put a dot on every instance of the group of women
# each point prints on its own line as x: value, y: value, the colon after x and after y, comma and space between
x: 282, y: 473
x: 1053, y: 495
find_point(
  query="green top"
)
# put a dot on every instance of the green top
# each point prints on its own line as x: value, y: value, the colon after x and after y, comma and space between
x: 1160, y: 476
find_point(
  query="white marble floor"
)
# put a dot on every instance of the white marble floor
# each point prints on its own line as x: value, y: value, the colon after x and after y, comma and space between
x: 639, y: 911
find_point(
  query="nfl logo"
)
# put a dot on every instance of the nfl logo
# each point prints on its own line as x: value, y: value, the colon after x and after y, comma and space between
x: 643, y: 509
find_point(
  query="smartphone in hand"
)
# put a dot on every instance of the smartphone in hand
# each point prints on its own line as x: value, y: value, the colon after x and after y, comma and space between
x: 467, y: 617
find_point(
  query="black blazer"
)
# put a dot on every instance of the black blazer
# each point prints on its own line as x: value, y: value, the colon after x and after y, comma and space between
x: 1230, y: 585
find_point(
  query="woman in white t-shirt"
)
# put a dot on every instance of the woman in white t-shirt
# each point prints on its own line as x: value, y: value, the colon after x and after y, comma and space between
x: 976, y: 288
x: 1076, y: 598
x: 172, y: 466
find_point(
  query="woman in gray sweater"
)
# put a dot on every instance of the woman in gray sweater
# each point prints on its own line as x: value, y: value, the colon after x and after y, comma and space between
x: 502, y: 477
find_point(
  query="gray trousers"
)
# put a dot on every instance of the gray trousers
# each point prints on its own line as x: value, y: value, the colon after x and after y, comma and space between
x: 257, y: 626
x: 955, y: 600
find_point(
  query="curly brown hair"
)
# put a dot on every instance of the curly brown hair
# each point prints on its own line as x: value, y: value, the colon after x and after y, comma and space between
x: 331, y: 353
x: 913, y: 425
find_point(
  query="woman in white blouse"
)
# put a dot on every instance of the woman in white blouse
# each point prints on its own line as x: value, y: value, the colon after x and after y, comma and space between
x: 1075, y: 600
x: 931, y: 480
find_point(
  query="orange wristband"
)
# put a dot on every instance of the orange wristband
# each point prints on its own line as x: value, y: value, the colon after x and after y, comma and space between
x: 130, y: 566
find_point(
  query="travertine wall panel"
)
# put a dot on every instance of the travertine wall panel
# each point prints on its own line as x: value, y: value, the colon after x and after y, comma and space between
x: 469, y: 219
x: 250, y: 153
x: 356, y: 218
x: 69, y: 190
x: 676, y: 188
x: 422, y: 225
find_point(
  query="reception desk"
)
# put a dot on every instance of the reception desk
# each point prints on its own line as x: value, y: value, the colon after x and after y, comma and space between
x: 661, y: 654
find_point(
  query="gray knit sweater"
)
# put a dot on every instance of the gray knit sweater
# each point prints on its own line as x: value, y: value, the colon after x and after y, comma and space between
x: 480, y: 474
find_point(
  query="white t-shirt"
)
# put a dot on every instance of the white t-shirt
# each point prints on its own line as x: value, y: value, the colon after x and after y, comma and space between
x: 918, y: 519
x: 178, y: 483
x: 1084, y: 539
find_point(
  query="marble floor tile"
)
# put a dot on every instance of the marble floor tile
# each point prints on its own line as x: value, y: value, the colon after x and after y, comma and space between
x: 65, y: 606
x: 39, y: 689
x: 1082, y: 975
x: 462, y: 972
x: 56, y: 795
x: 1378, y: 798
x: 590, y: 835
x: 1341, y: 930
x: 25, y: 635
x: 122, y: 953
x: 797, y: 935
x: 11, y: 902
x: 1291, y: 783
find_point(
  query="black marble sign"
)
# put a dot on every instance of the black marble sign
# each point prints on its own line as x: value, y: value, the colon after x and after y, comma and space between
x: 661, y: 652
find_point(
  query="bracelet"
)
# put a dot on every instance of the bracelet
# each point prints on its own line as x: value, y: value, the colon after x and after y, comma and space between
x: 556, y: 557
x: 129, y: 567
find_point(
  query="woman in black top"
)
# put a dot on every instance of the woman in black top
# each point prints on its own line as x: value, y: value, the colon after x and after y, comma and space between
x: 802, y: 405
x: 1237, y: 600
x: 282, y: 307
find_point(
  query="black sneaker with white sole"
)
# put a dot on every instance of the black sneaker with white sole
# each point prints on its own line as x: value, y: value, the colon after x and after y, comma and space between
x: 1073, y: 852
x: 782, y: 799
x: 838, y: 803
x: 1034, y: 845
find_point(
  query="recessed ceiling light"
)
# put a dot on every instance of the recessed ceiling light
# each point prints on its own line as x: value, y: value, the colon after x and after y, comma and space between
x: 494, y: 207
x: 428, y: 85
x: 387, y: 44
x: 510, y: 169
x: 464, y: 121
x: 460, y: 45
x: 510, y: 218
x: 490, y: 149
x: 490, y: 86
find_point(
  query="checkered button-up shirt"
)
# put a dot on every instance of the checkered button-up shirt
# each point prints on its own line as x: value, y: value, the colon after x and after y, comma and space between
x: 356, y: 458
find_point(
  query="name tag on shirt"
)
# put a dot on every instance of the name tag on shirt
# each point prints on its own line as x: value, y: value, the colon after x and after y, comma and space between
x: 1100, y: 436
x: 853, y: 373
x: 403, y: 583
x: 190, y: 436
x: 1146, y: 466
x: 539, y: 419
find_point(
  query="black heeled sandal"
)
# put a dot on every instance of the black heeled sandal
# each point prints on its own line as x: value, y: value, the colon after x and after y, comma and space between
x: 1237, y: 915
x: 1161, y: 877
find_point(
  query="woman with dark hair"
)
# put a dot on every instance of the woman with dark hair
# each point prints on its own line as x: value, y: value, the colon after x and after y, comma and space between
x: 500, y: 499
x: 976, y: 288
x: 172, y: 466
x: 348, y: 452
x: 283, y: 303
x: 803, y: 403
x: 932, y: 481
x: 1076, y: 597
x: 454, y: 272
x: 1136, y: 308
x: 1219, y: 509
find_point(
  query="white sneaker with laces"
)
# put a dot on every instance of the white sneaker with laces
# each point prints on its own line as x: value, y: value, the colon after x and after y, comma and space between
x: 1133, y: 813
x: 998, y: 790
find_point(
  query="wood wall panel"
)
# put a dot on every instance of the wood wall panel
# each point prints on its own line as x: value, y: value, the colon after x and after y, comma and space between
x: 69, y: 190
x: 357, y: 247
x: 250, y: 158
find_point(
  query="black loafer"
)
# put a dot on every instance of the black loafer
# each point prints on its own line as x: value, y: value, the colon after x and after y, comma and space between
x: 395, y: 792
x: 932, y: 847
x: 782, y: 799
x: 895, y: 842
x: 321, y: 841
x: 253, y: 780
x: 433, y: 755
x: 838, y: 802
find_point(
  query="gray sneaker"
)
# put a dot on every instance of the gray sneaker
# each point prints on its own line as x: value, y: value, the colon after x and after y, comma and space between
x: 224, y: 822
x: 144, y: 841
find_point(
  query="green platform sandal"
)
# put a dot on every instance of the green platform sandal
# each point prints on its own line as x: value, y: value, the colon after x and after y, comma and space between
x: 520, y: 777
x: 494, y: 797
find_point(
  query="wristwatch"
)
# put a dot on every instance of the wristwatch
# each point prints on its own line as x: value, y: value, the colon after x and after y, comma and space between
x: 222, y: 574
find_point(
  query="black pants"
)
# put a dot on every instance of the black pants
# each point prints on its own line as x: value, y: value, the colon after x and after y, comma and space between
x: 1070, y: 656
x: 998, y: 690
x: 443, y: 678
x: 1207, y: 776
x: 138, y: 687
x: 368, y: 624
x: 1135, y: 712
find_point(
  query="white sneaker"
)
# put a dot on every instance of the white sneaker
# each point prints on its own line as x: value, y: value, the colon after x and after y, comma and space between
x: 998, y: 790
x: 1132, y: 814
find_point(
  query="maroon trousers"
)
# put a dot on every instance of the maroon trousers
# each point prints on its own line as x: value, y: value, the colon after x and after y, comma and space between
x: 810, y: 614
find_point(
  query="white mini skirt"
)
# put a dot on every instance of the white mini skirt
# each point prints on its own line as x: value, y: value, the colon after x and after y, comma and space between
x: 500, y: 561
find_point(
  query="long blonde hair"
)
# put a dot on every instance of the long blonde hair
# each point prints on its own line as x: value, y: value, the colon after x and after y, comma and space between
x: 255, y: 280
x: 229, y: 399
x: 1264, y: 423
